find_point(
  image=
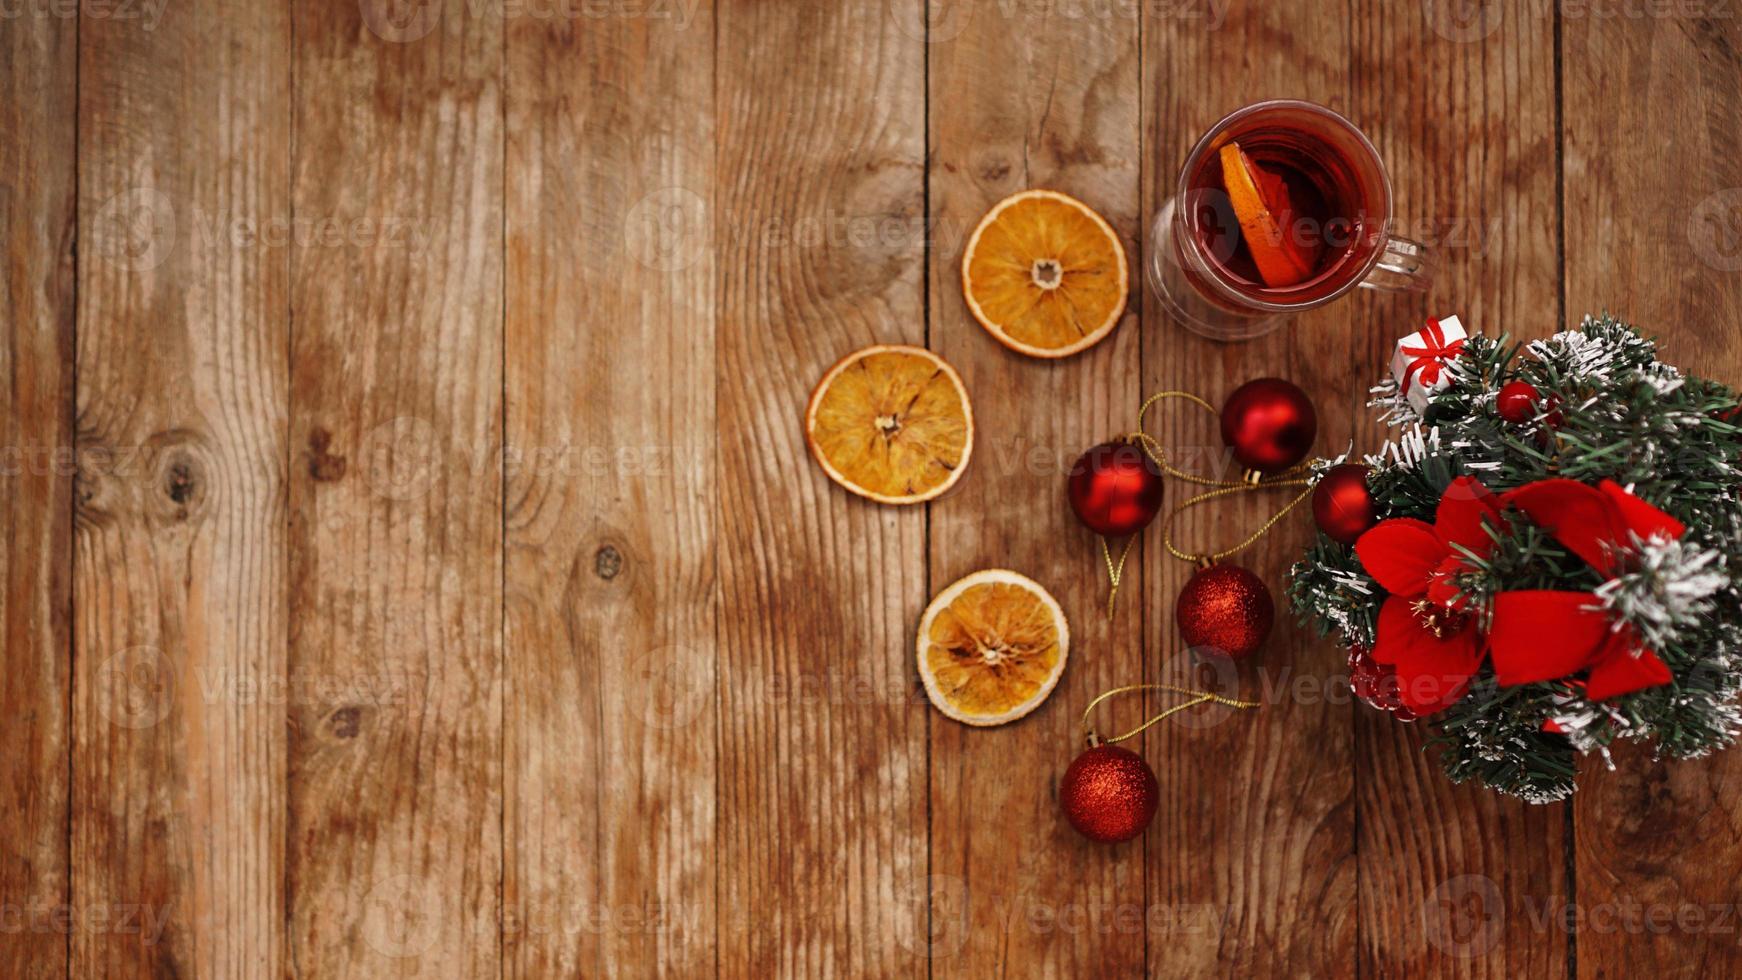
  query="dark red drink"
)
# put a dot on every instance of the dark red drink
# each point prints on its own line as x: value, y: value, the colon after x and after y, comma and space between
x: 1326, y: 221
x: 1282, y: 206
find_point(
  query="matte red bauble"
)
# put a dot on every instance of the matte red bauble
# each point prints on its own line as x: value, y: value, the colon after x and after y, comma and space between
x: 1270, y: 424
x: 1109, y: 794
x: 1225, y: 610
x: 1517, y: 401
x: 1342, y: 504
x: 1115, y: 489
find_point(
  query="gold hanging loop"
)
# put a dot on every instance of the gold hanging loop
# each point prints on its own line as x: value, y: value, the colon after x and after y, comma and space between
x: 1197, y: 698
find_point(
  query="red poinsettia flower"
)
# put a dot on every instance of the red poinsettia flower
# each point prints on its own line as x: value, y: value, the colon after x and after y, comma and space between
x: 1541, y: 635
x: 1425, y: 631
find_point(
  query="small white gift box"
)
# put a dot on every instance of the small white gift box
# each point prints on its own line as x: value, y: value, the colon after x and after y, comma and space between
x: 1419, y: 361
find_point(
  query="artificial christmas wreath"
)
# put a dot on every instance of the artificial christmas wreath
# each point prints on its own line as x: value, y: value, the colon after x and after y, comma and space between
x: 1546, y: 556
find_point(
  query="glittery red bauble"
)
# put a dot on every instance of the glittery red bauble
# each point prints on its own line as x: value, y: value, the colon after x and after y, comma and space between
x: 1115, y: 488
x: 1270, y: 424
x: 1342, y: 504
x: 1225, y: 610
x: 1517, y: 401
x: 1109, y: 794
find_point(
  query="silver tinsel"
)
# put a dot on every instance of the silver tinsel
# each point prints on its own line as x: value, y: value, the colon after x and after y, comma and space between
x: 1667, y: 584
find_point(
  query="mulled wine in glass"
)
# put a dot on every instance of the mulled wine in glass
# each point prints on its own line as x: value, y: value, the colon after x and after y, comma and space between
x: 1282, y: 206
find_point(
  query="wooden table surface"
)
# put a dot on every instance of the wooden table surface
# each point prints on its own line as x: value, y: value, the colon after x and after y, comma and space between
x: 413, y: 564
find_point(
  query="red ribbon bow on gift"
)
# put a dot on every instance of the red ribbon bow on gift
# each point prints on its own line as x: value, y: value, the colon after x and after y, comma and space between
x: 1541, y: 635
x: 1430, y: 359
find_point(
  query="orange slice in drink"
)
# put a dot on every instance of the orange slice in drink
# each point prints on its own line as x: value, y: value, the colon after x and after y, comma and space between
x: 891, y: 423
x: 1045, y: 274
x: 1266, y: 218
x: 992, y: 647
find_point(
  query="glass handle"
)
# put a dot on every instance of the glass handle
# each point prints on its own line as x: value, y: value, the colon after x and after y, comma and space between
x: 1406, y: 267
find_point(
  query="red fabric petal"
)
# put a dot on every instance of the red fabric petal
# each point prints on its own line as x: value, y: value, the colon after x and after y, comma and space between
x: 1432, y: 671
x: 1443, y: 586
x: 1620, y: 670
x: 1400, y: 554
x: 1640, y: 517
x: 1396, y: 622
x: 1581, y: 517
x: 1544, y: 635
x: 1463, y: 507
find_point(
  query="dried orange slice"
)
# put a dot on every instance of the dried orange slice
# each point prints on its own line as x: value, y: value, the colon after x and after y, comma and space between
x: 992, y: 647
x: 1045, y: 274
x: 891, y: 423
x: 1265, y: 214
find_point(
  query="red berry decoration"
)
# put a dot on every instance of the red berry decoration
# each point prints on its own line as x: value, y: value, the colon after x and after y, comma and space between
x: 1376, y: 684
x: 1270, y: 424
x: 1109, y: 794
x: 1517, y: 401
x: 1342, y: 505
x: 1225, y: 610
x: 1115, y: 489
x: 1554, y: 419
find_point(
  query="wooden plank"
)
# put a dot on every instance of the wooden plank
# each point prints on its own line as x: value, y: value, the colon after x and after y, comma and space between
x: 1455, y: 880
x: 610, y: 781
x: 1251, y: 858
x: 395, y: 805
x: 179, y: 627
x: 1651, y: 181
x: 1026, y: 96
x: 817, y: 219
x: 38, y: 62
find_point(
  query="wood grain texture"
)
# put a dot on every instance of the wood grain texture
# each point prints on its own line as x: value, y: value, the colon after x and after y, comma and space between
x: 38, y: 63
x: 817, y: 217
x: 414, y: 566
x: 395, y: 806
x: 1653, y: 185
x: 610, y: 727
x: 1456, y: 880
x: 179, y: 633
x: 1031, y: 97
x: 1252, y: 855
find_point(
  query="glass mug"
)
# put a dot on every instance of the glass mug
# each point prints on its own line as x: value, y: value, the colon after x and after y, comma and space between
x: 1330, y: 198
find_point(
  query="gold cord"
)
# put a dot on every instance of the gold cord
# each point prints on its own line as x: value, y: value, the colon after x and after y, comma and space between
x: 1207, y: 557
x: 1251, y: 481
x: 1221, y: 488
x: 1153, y: 450
x: 1197, y: 698
x: 1115, y: 570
